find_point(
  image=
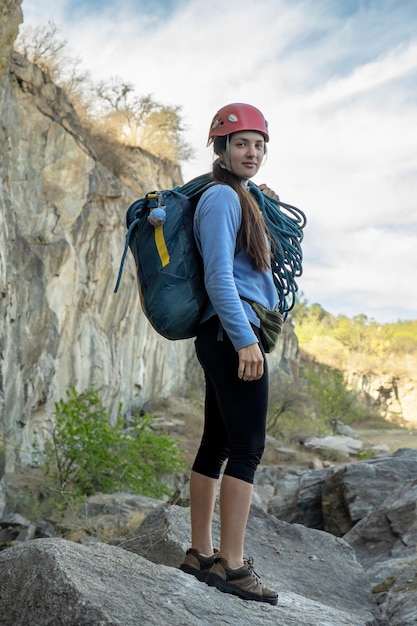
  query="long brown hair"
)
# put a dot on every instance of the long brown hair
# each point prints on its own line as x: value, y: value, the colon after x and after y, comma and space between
x: 253, y: 231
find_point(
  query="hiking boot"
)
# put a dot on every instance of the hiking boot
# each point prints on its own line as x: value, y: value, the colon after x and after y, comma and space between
x: 243, y: 582
x: 197, y: 564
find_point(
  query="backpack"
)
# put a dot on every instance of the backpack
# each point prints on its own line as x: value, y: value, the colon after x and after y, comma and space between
x: 169, y: 267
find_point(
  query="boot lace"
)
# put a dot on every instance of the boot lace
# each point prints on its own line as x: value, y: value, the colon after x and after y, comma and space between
x: 249, y: 564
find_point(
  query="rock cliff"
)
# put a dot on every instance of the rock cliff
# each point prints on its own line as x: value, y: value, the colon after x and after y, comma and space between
x: 61, y: 237
x: 394, y: 398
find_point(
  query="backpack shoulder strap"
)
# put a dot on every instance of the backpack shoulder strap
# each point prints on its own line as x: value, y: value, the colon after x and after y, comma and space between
x: 196, y: 186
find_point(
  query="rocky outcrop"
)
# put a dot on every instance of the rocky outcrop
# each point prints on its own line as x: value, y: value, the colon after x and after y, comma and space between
x: 10, y: 19
x: 353, y: 491
x: 62, y: 233
x: 394, y: 398
x: 372, y: 503
x: 316, y: 575
x: 385, y: 543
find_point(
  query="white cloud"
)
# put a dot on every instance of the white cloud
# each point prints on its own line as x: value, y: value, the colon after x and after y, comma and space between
x: 370, y: 266
x: 338, y: 87
x: 395, y: 64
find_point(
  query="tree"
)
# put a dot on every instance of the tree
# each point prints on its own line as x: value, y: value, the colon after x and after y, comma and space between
x: 142, y: 121
x: 43, y: 46
x: 330, y: 396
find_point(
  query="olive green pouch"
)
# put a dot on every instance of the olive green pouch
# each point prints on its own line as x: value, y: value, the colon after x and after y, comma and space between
x: 271, y: 324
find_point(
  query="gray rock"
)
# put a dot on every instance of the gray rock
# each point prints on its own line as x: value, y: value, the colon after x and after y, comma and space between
x: 353, y: 491
x: 390, y: 530
x: 385, y: 543
x: 15, y: 528
x: 340, y: 444
x: 339, y: 428
x: 45, y: 529
x: 100, y: 585
x: 375, y: 503
x: 294, y: 559
x: 117, y: 504
x: 297, y: 497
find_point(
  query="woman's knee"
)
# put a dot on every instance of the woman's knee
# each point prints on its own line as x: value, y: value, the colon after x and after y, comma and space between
x: 209, y: 463
x: 243, y: 465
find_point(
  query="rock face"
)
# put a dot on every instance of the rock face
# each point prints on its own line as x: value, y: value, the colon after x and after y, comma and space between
x: 394, y: 398
x: 385, y: 543
x: 62, y: 223
x: 10, y: 18
x: 61, y: 238
x: 353, y: 491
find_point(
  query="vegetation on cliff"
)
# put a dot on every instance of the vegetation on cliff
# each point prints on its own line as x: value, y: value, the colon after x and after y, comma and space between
x: 113, y: 115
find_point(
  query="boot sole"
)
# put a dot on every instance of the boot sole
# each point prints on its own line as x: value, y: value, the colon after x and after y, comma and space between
x: 214, y: 581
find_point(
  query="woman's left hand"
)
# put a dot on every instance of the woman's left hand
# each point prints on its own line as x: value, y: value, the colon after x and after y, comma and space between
x: 268, y: 191
x: 251, y: 363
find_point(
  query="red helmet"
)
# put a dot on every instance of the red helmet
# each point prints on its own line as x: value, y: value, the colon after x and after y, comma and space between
x: 235, y: 117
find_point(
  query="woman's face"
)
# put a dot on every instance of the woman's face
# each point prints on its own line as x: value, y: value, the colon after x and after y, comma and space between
x: 246, y: 153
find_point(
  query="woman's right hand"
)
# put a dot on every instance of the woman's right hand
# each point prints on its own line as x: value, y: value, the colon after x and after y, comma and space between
x: 251, y: 362
x: 269, y: 192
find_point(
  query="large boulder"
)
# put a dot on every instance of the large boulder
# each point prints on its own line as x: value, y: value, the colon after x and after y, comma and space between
x: 385, y: 543
x: 292, y: 558
x: 297, y: 496
x: 53, y: 581
x: 353, y: 491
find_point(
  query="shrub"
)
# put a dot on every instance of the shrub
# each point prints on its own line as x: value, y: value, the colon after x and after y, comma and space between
x: 330, y: 397
x: 89, y: 454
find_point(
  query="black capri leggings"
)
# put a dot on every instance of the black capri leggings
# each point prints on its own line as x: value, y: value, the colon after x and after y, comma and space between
x: 235, y: 410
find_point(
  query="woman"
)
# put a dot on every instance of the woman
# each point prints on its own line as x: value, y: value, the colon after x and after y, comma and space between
x: 233, y: 240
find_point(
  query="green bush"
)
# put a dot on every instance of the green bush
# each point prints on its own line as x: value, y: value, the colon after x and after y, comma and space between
x: 88, y: 454
x: 329, y: 395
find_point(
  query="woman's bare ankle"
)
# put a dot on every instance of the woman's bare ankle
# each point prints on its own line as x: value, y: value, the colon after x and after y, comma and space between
x: 204, y: 550
x: 232, y: 561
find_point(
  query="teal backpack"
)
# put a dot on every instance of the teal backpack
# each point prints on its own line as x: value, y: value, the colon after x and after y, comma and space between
x: 169, y: 267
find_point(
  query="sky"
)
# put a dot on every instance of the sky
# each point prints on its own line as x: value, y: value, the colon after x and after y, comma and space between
x: 337, y: 82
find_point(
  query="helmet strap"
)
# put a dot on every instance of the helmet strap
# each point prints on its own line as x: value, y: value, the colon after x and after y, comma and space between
x: 227, y: 150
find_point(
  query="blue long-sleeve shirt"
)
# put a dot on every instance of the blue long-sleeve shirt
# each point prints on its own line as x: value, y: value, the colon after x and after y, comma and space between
x: 229, y: 274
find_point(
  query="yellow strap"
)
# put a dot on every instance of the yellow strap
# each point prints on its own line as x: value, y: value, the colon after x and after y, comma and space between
x: 161, y: 245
